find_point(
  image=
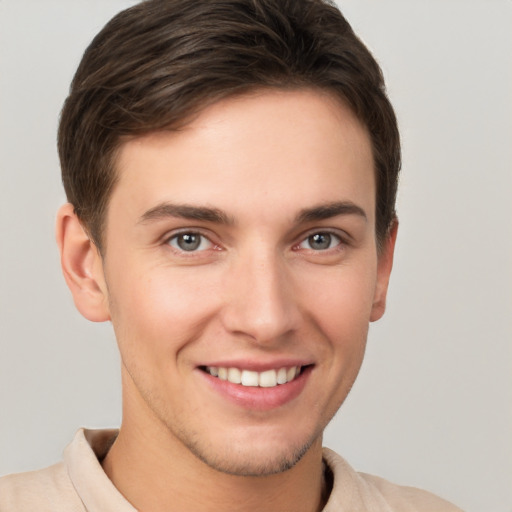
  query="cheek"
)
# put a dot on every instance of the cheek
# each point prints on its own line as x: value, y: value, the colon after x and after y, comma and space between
x: 342, y: 305
x: 158, y: 310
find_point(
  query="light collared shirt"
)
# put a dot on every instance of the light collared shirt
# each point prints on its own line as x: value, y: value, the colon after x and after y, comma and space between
x: 79, y: 484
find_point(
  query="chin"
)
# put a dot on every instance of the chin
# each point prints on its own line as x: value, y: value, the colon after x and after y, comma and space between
x: 251, y: 459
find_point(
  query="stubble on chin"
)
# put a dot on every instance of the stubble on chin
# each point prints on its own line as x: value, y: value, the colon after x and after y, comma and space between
x: 239, y: 462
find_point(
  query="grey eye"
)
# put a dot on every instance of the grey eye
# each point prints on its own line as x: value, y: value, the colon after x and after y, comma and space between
x: 190, y: 242
x: 320, y: 241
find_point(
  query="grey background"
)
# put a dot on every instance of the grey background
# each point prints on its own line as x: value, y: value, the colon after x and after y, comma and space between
x: 432, y: 406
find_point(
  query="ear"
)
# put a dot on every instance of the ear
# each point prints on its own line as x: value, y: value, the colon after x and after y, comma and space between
x: 384, y: 266
x: 82, y: 266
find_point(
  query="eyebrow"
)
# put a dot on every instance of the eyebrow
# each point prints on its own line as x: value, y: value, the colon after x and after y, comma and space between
x: 185, y: 211
x: 327, y: 211
x: 208, y: 214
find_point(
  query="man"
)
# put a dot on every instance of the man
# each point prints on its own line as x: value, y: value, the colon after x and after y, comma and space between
x: 231, y: 170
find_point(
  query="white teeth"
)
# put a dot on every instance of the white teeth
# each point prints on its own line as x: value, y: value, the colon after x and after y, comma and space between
x: 281, y: 376
x: 290, y: 373
x: 234, y: 375
x: 249, y: 378
x: 266, y: 379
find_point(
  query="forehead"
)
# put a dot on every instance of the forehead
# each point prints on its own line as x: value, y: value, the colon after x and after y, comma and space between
x: 282, y: 147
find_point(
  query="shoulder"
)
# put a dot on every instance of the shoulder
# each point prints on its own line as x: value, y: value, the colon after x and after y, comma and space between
x: 408, y: 498
x: 46, y: 490
x: 367, y: 493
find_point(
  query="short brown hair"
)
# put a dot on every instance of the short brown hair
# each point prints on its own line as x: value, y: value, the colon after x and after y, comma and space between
x: 159, y: 62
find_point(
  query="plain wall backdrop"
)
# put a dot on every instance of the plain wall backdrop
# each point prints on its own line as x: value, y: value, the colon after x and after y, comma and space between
x: 432, y: 405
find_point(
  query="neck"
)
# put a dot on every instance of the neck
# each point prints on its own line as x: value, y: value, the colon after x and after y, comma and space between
x: 154, y: 471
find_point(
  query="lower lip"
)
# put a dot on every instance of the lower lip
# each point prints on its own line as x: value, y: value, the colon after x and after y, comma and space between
x: 257, y: 398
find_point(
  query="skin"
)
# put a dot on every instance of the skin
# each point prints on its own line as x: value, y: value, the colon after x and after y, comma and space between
x: 273, y: 168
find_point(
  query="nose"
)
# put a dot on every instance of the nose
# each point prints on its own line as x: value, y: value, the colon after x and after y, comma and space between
x: 259, y: 299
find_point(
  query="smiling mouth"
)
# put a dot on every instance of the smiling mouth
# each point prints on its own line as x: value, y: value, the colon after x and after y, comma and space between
x: 249, y: 378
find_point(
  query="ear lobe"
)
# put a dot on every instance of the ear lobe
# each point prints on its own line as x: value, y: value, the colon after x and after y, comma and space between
x: 82, y: 266
x: 384, y: 266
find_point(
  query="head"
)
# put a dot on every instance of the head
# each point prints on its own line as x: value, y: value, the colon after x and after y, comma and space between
x: 231, y: 167
x: 158, y: 64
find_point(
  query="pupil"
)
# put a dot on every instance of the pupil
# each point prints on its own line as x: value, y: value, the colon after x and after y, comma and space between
x: 189, y: 242
x: 320, y: 241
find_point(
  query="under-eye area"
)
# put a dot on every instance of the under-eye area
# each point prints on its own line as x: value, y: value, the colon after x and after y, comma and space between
x: 251, y: 378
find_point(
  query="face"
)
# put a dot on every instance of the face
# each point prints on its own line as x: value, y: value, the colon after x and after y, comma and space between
x: 241, y: 273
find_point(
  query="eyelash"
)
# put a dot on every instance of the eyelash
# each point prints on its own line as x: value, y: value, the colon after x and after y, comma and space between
x: 173, y: 242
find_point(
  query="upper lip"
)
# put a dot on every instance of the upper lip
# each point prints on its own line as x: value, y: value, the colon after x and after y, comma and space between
x: 258, y: 366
